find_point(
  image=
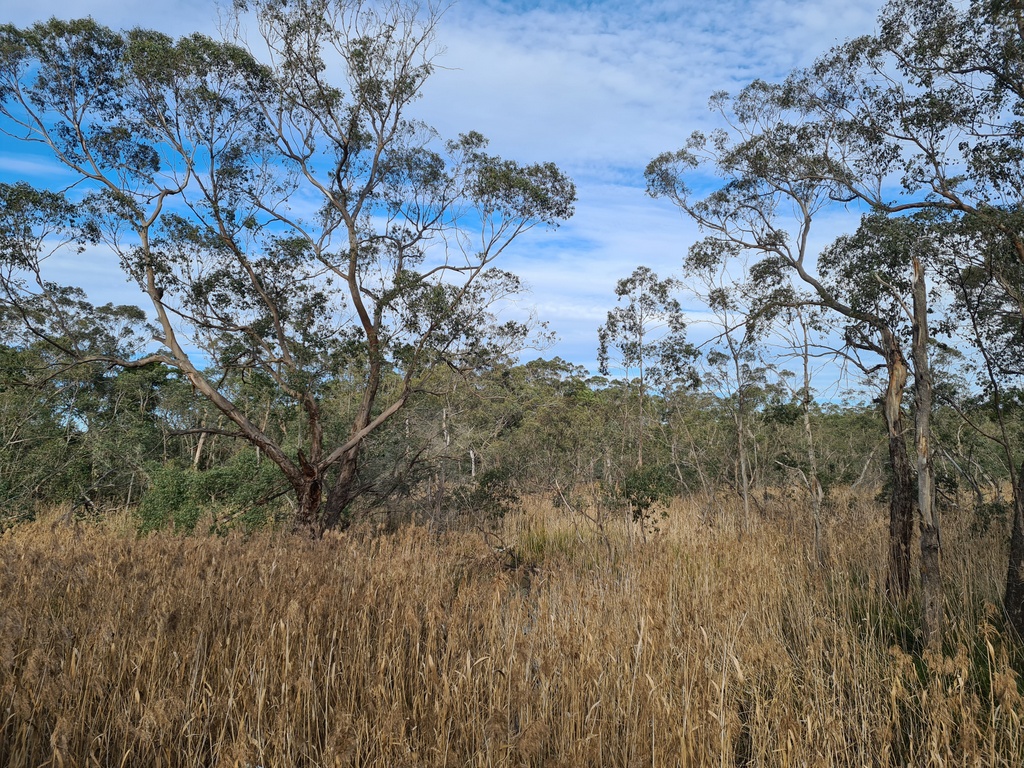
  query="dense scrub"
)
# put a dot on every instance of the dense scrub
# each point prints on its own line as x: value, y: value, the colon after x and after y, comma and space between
x: 571, y: 647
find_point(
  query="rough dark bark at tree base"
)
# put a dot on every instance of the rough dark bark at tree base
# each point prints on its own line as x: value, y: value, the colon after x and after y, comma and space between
x: 341, y: 493
x: 901, y: 519
x: 1013, y: 599
x: 308, y: 497
x: 932, y: 606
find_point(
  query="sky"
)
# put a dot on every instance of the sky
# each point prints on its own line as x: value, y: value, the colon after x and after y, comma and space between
x: 598, y: 87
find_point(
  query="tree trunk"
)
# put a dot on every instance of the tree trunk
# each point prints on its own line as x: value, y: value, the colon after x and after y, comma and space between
x: 902, y: 498
x: 742, y: 465
x: 308, y: 494
x: 197, y: 459
x: 931, y: 575
x: 342, y: 492
x: 344, y: 488
x: 640, y: 414
x: 813, y: 483
x: 1013, y: 600
x: 442, y: 477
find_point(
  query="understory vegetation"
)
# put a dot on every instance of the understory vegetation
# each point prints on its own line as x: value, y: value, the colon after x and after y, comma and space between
x: 559, y: 643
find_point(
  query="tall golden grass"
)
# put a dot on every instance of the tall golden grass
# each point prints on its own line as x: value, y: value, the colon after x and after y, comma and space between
x: 577, y: 647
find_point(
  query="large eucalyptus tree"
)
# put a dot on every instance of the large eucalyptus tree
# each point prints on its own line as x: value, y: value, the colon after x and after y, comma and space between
x: 777, y: 181
x: 282, y: 210
x: 926, y: 117
x: 923, y: 115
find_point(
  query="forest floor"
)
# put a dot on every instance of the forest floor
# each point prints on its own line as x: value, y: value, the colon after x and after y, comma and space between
x: 568, y: 645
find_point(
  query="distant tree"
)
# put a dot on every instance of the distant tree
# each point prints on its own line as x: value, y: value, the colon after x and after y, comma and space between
x: 647, y: 335
x: 734, y: 370
x: 802, y: 322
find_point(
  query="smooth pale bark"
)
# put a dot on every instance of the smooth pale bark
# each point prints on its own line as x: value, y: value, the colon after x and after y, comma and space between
x: 742, y: 464
x: 198, y: 457
x: 813, y: 483
x: 932, y: 614
x: 640, y: 415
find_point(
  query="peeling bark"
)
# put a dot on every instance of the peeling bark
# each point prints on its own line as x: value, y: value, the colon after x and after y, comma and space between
x: 902, y: 496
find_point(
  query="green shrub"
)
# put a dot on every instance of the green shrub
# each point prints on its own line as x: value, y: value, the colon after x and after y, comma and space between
x: 645, y: 490
x: 180, y: 497
x: 495, y: 494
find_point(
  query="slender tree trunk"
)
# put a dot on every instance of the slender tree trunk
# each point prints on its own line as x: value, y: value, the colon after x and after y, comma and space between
x: 442, y: 479
x: 816, y: 493
x: 741, y: 443
x: 640, y: 415
x: 813, y: 483
x: 902, y: 498
x: 931, y: 574
x: 198, y: 457
x: 743, y: 462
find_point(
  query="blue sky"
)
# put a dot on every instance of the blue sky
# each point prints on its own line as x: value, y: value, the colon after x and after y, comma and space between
x: 597, y: 87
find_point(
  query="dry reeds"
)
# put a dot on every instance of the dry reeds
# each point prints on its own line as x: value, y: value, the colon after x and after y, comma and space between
x: 695, y: 647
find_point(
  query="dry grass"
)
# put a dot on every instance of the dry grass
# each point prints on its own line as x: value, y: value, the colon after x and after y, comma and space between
x: 695, y: 647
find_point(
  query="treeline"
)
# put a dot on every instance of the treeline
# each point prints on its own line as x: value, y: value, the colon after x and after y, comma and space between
x: 101, y: 440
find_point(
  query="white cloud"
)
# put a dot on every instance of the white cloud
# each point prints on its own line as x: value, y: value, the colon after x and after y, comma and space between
x: 598, y: 87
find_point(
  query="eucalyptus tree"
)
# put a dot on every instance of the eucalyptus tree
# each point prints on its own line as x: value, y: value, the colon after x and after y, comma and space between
x: 282, y: 211
x: 870, y: 274
x: 984, y: 323
x: 733, y: 368
x: 647, y: 334
x: 778, y: 177
x: 924, y: 115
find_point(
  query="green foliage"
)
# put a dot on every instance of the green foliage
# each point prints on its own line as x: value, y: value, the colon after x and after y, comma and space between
x: 37, y: 451
x: 182, y: 497
x: 646, y: 490
x: 495, y: 494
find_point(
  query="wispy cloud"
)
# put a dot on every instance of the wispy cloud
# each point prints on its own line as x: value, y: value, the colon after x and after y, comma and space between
x: 599, y: 87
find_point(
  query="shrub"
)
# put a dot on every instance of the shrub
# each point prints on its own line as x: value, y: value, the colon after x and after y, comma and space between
x: 645, y: 490
x: 178, y: 497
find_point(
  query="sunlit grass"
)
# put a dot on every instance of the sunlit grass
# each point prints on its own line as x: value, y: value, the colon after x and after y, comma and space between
x: 574, y: 646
